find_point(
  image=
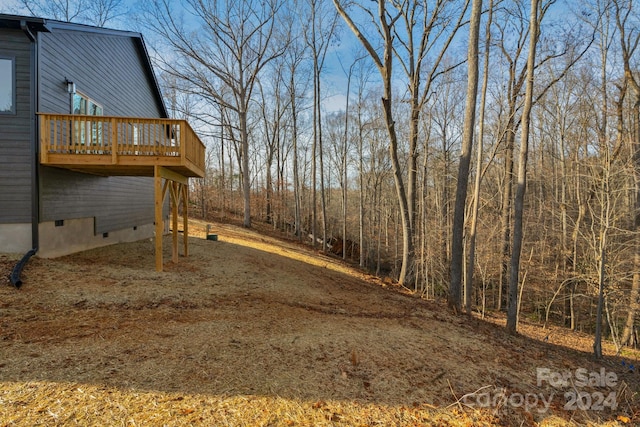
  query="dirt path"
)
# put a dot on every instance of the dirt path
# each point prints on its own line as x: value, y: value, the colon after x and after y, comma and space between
x: 251, y: 330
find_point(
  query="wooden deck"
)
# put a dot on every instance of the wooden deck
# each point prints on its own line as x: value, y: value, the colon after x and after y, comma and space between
x: 127, y: 146
x: 168, y: 150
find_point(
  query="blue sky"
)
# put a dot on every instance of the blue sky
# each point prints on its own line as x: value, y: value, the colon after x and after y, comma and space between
x: 339, y: 57
x: 334, y: 78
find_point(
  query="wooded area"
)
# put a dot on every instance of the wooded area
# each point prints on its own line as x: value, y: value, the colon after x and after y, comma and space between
x: 487, y: 152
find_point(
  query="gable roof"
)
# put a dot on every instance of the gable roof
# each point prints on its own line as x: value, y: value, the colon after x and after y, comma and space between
x: 34, y: 25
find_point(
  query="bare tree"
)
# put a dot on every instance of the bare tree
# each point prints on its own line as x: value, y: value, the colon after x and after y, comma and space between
x: 423, y: 41
x: 318, y: 38
x: 345, y: 178
x: 235, y: 41
x: 511, y: 42
x: 455, y: 286
x: 445, y: 109
x: 93, y: 12
x: 512, y: 35
x: 536, y: 13
x: 473, y: 226
x: 384, y: 63
x: 363, y: 74
x: 629, y: 35
x: 294, y: 58
x: 272, y: 120
x: 102, y: 12
x: 435, y: 27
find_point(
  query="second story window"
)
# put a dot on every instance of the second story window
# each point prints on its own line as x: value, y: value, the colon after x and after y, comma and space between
x: 89, y: 131
x: 7, y: 85
x: 82, y: 104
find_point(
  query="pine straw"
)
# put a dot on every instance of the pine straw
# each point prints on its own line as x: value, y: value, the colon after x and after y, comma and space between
x: 252, y: 331
x: 74, y: 404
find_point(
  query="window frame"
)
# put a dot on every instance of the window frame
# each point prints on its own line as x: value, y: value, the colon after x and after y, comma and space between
x: 12, y: 111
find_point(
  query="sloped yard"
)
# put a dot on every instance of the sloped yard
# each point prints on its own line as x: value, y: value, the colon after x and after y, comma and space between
x: 251, y: 330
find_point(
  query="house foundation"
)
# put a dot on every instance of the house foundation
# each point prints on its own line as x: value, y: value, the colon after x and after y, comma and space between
x: 76, y: 235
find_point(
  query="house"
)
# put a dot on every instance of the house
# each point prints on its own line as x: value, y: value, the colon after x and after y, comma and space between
x: 88, y: 155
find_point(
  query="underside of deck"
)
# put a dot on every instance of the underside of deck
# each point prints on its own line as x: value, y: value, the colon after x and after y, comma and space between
x: 127, y: 165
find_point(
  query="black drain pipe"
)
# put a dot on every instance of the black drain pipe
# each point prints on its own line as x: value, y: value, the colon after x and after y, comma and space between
x: 15, y: 274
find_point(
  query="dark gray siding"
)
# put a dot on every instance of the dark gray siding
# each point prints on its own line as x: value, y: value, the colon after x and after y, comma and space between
x: 116, y: 202
x: 15, y: 135
x: 111, y: 71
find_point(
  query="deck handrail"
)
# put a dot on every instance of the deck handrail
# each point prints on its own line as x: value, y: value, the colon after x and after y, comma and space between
x: 116, y: 136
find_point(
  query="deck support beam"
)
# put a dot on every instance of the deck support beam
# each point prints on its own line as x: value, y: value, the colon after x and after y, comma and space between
x: 157, y: 178
x: 185, y: 218
x: 177, y: 186
x: 174, y: 220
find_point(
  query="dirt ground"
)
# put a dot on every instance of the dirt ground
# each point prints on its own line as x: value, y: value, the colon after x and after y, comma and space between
x: 253, y: 330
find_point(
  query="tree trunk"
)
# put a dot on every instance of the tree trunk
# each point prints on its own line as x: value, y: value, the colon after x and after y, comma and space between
x: 407, y: 239
x: 269, y: 188
x: 345, y: 177
x: 314, y: 158
x: 455, y: 286
x: 361, y: 207
x: 628, y: 335
x: 629, y: 44
x: 476, y: 189
x: 512, y: 310
x: 323, y: 198
x: 385, y: 65
x: 296, y: 172
x: 597, y: 342
x: 505, y: 218
x: 246, y: 179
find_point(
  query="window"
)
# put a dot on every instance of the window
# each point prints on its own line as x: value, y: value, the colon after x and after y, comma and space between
x: 7, y: 85
x: 87, y: 131
x: 84, y: 105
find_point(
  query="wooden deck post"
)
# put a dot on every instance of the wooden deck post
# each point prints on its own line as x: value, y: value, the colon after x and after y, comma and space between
x: 176, y: 185
x: 158, y: 215
x: 185, y: 218
x: 174, y: 220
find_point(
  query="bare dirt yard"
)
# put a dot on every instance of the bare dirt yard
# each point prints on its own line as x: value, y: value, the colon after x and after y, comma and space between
x: 251, y: 330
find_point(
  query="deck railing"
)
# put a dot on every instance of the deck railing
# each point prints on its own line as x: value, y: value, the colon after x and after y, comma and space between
x: 116, y: 138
